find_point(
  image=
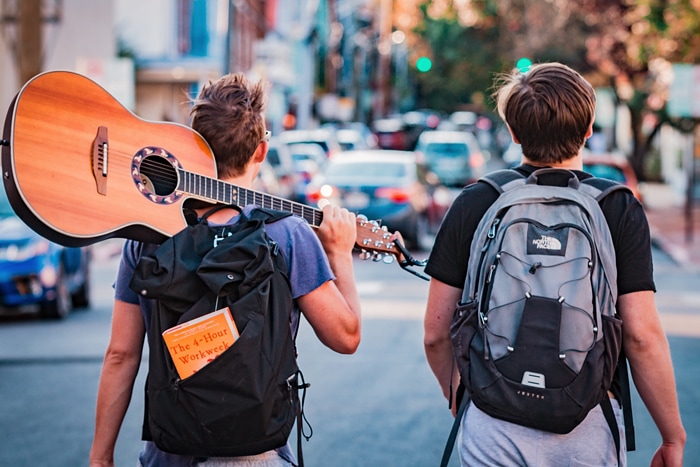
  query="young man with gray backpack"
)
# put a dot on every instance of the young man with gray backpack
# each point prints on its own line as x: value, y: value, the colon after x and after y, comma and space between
x: 541, y: 283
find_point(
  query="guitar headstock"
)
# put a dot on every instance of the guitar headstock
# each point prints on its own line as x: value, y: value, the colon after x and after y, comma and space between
x: 374, y: 241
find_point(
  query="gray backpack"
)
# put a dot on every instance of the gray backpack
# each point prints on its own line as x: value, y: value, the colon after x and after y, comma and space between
x: 536, y: 337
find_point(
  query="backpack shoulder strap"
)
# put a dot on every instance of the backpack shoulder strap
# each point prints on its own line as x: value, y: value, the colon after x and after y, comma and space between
x: 503, y: 180
x: 217, y: 208
x: 599, y: 188
x: 268, y: 215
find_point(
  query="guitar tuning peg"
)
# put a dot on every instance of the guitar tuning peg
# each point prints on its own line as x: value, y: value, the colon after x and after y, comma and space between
x: 362, y: 218
x: 385, y: 228
x: 388, y: 259
x: 365, y: 255
x: 376, y: 257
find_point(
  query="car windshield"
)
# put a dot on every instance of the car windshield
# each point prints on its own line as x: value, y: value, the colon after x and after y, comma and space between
x: 454, y: 150
x: 5, y: 208
x: 360, y: 170
x: 605, y: 171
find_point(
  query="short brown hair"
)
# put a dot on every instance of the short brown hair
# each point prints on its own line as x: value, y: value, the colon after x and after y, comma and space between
x: 549, y: 109
x: 228, y: 113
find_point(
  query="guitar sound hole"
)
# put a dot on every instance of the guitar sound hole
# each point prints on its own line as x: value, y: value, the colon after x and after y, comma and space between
x: 158, y: 175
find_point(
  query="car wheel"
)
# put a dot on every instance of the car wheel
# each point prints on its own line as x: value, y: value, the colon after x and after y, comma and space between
x: 59, y: 306
x: 81, y: 297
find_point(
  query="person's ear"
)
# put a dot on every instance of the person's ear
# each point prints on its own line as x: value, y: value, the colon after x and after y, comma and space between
x: 589, y: 131
x: 512, y: 135
x: 261, y: 151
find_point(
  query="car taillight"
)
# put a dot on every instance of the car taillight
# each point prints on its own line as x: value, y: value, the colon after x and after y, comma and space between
x: 315, y: 194
x: 396, y: 195
x: 476, y: 160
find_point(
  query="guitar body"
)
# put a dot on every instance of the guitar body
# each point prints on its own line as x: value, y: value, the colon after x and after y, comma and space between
x: 71, y: 170
x: 78, y: 167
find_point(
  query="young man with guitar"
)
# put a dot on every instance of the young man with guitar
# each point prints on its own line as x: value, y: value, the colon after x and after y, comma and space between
x: 228, y: 113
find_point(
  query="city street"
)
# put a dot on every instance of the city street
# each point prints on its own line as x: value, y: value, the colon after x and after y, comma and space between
x: 379, y: 407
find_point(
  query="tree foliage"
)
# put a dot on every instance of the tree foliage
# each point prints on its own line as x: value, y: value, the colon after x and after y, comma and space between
x: 464, y: 60
x: 627, y: 45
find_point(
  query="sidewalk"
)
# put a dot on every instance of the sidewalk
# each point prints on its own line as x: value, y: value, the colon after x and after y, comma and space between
x: 673, y: 230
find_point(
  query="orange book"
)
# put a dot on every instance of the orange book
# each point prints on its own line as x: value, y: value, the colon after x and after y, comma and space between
x: 197, y: 342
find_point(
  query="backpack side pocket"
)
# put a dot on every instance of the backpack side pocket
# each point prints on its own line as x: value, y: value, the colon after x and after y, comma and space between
x: 462, y: 330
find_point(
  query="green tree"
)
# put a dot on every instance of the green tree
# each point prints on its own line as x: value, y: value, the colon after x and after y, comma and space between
x: 472, y: 43
x: 463, y: 61
x: 631, y: 48
x: 621, y: 44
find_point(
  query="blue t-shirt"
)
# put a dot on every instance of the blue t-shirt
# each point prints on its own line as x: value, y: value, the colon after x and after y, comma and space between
x: 307, y: 268
x: 307, y: 263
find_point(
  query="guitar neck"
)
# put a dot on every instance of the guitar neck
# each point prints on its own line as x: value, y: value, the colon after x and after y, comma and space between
x: 223, y: 192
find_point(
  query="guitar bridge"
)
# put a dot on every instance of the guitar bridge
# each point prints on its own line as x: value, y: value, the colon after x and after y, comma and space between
x: 100, y: 153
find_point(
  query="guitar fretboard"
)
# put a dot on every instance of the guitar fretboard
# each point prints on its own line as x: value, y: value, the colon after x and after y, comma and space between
x: 224, y: 192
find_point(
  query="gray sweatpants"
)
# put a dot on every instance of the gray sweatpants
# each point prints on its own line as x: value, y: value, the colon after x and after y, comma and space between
x: 488, y: 441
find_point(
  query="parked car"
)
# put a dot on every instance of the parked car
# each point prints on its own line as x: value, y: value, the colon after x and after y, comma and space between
x: 353, y: 135
x: 324, y: 137
x: 308, y: 159
x: 351, y: 139
x: 383, y: 185
x: 464, y: 120
x: 35, y: 271
x: 280, y: 160
x: 391, y: 133
x: 453, y: 156
x: 612, y: 166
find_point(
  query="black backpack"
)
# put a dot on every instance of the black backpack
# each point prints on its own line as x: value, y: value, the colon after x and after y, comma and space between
x: 536, y: 335
x: 246, y: 400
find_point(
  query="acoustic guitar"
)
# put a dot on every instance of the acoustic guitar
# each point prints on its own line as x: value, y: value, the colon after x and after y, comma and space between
x: 79, y: 167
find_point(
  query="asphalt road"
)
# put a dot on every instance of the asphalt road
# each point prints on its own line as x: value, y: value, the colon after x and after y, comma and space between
x: 379, y: 407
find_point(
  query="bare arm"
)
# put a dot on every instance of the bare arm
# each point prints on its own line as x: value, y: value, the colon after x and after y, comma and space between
x: 333, y: 309
x: 649, y: 356
x: 119, y: 370
x: 442, y: 299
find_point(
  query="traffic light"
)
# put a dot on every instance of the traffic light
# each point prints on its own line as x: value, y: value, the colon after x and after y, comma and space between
x: 523, y: 64
x: 424, y: 64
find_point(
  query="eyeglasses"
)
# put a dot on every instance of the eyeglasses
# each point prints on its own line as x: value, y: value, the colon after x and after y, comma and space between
x: 267, y: 136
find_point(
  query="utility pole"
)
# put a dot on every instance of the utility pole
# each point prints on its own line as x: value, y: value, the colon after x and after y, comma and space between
x: 29, y: 46
x: 383, y: 97
x: 22, y: 26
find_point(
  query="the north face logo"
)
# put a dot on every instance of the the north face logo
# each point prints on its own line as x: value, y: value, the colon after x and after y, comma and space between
x: 547, y: 243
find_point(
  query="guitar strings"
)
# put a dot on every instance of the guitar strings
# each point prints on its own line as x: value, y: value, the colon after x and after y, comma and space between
x: 165, y: 180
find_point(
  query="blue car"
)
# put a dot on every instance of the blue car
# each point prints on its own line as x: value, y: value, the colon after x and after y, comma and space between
x: 35, y: 271
x: 385, y: 185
